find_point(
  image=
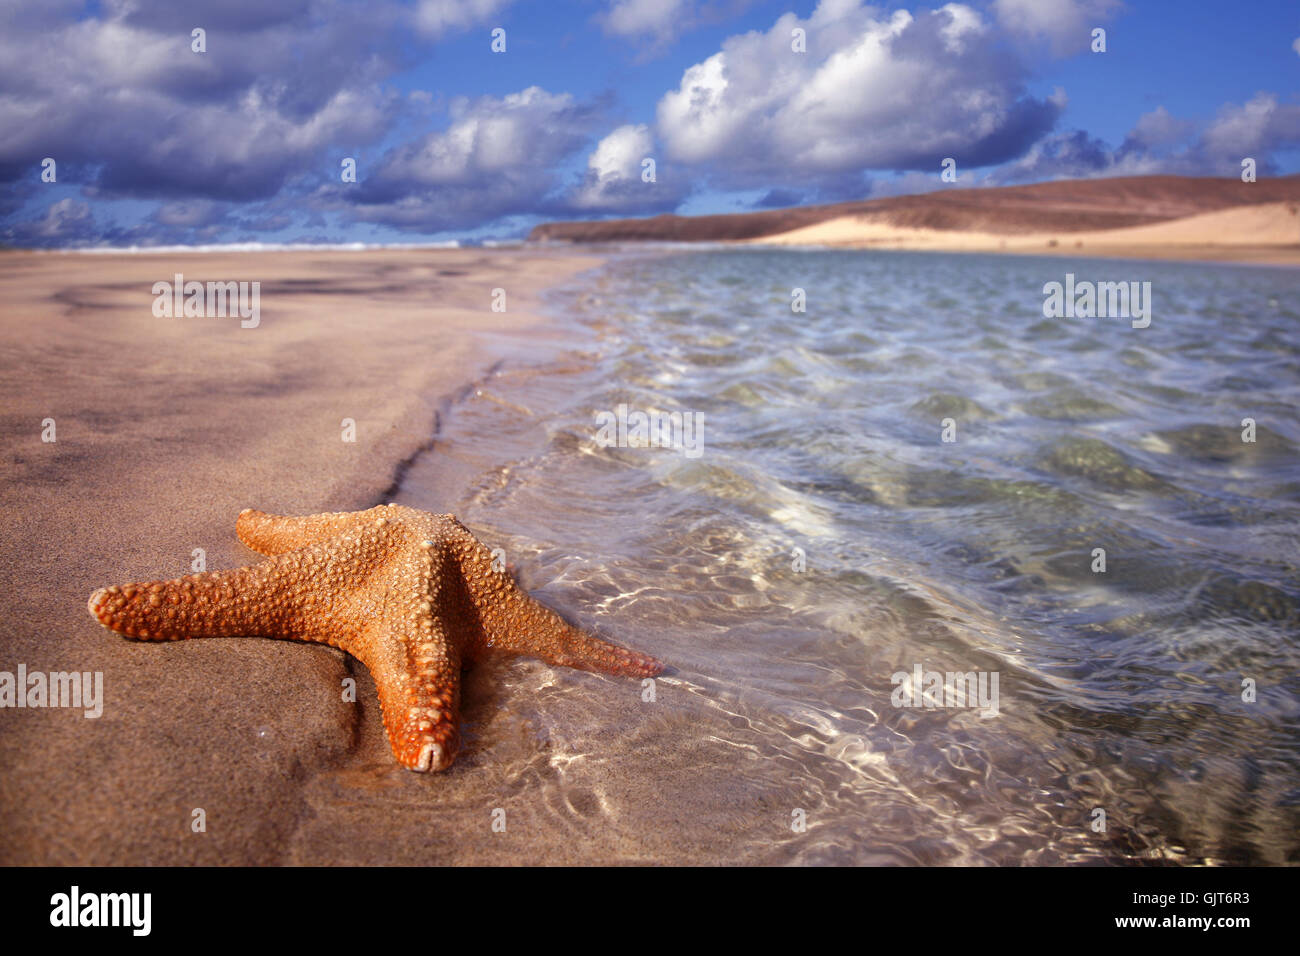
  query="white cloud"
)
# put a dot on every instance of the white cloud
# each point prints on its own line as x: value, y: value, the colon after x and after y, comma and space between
x: 491, y: 136
x: 1254, y: 128
x: 440, y: 16
x: 1158, y: 128
x: 614, y: 169
x: 1296, y: 45
x: 1066, y: 24
x: 188, y: 212
x: 1162, y: 143
x: 695, y: 118
x: 871, y: 92
x: 619, y: 155
x: 496, y: 158
x: 67, y: 222
x: 660, y: 19
x: 64, y: 216
x: 962, y: 21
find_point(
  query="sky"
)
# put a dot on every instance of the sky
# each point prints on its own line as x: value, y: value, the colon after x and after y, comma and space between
x: 116, y: 130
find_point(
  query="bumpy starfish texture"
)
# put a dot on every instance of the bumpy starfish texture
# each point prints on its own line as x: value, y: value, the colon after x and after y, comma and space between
x: 410, y: 594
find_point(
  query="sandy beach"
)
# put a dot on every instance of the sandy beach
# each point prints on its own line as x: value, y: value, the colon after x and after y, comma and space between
x: 819, y: 548
x: 165, y: 428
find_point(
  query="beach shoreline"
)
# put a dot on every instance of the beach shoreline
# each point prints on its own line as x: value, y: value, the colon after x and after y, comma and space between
x: 163, y: 430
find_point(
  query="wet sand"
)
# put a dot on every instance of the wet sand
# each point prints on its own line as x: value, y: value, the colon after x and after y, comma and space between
x: 165, y: 429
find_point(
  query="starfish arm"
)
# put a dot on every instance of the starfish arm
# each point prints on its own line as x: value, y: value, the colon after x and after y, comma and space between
x: 514, y: 623
x: 286, y: 596
x: 275, y: 534
x: 411, y: 650
x: 554, y: 640
x: 232, y: 603
x: 417, y: 675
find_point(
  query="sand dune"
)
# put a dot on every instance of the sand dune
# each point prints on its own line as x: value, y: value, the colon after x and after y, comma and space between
x: 1142, y: 216
x: 1269, y: 233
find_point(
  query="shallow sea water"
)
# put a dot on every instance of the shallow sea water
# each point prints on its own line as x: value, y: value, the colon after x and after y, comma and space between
x: 1120, y: 691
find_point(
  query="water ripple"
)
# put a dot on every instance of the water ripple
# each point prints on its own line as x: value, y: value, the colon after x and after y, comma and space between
x: 828, y: 539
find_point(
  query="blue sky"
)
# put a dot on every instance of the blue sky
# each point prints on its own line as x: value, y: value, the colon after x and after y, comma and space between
x: 155, y: 143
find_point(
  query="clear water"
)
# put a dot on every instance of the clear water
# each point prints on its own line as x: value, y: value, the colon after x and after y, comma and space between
x: 1120, y: 690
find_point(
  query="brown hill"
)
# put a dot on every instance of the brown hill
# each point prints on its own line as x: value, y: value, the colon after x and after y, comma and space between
x: 1077, y: 205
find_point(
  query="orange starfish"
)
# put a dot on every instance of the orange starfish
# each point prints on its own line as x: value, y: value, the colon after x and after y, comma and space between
x: 410, y: 594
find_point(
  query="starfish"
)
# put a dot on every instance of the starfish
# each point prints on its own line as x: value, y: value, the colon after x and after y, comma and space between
x: 412, y: 595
